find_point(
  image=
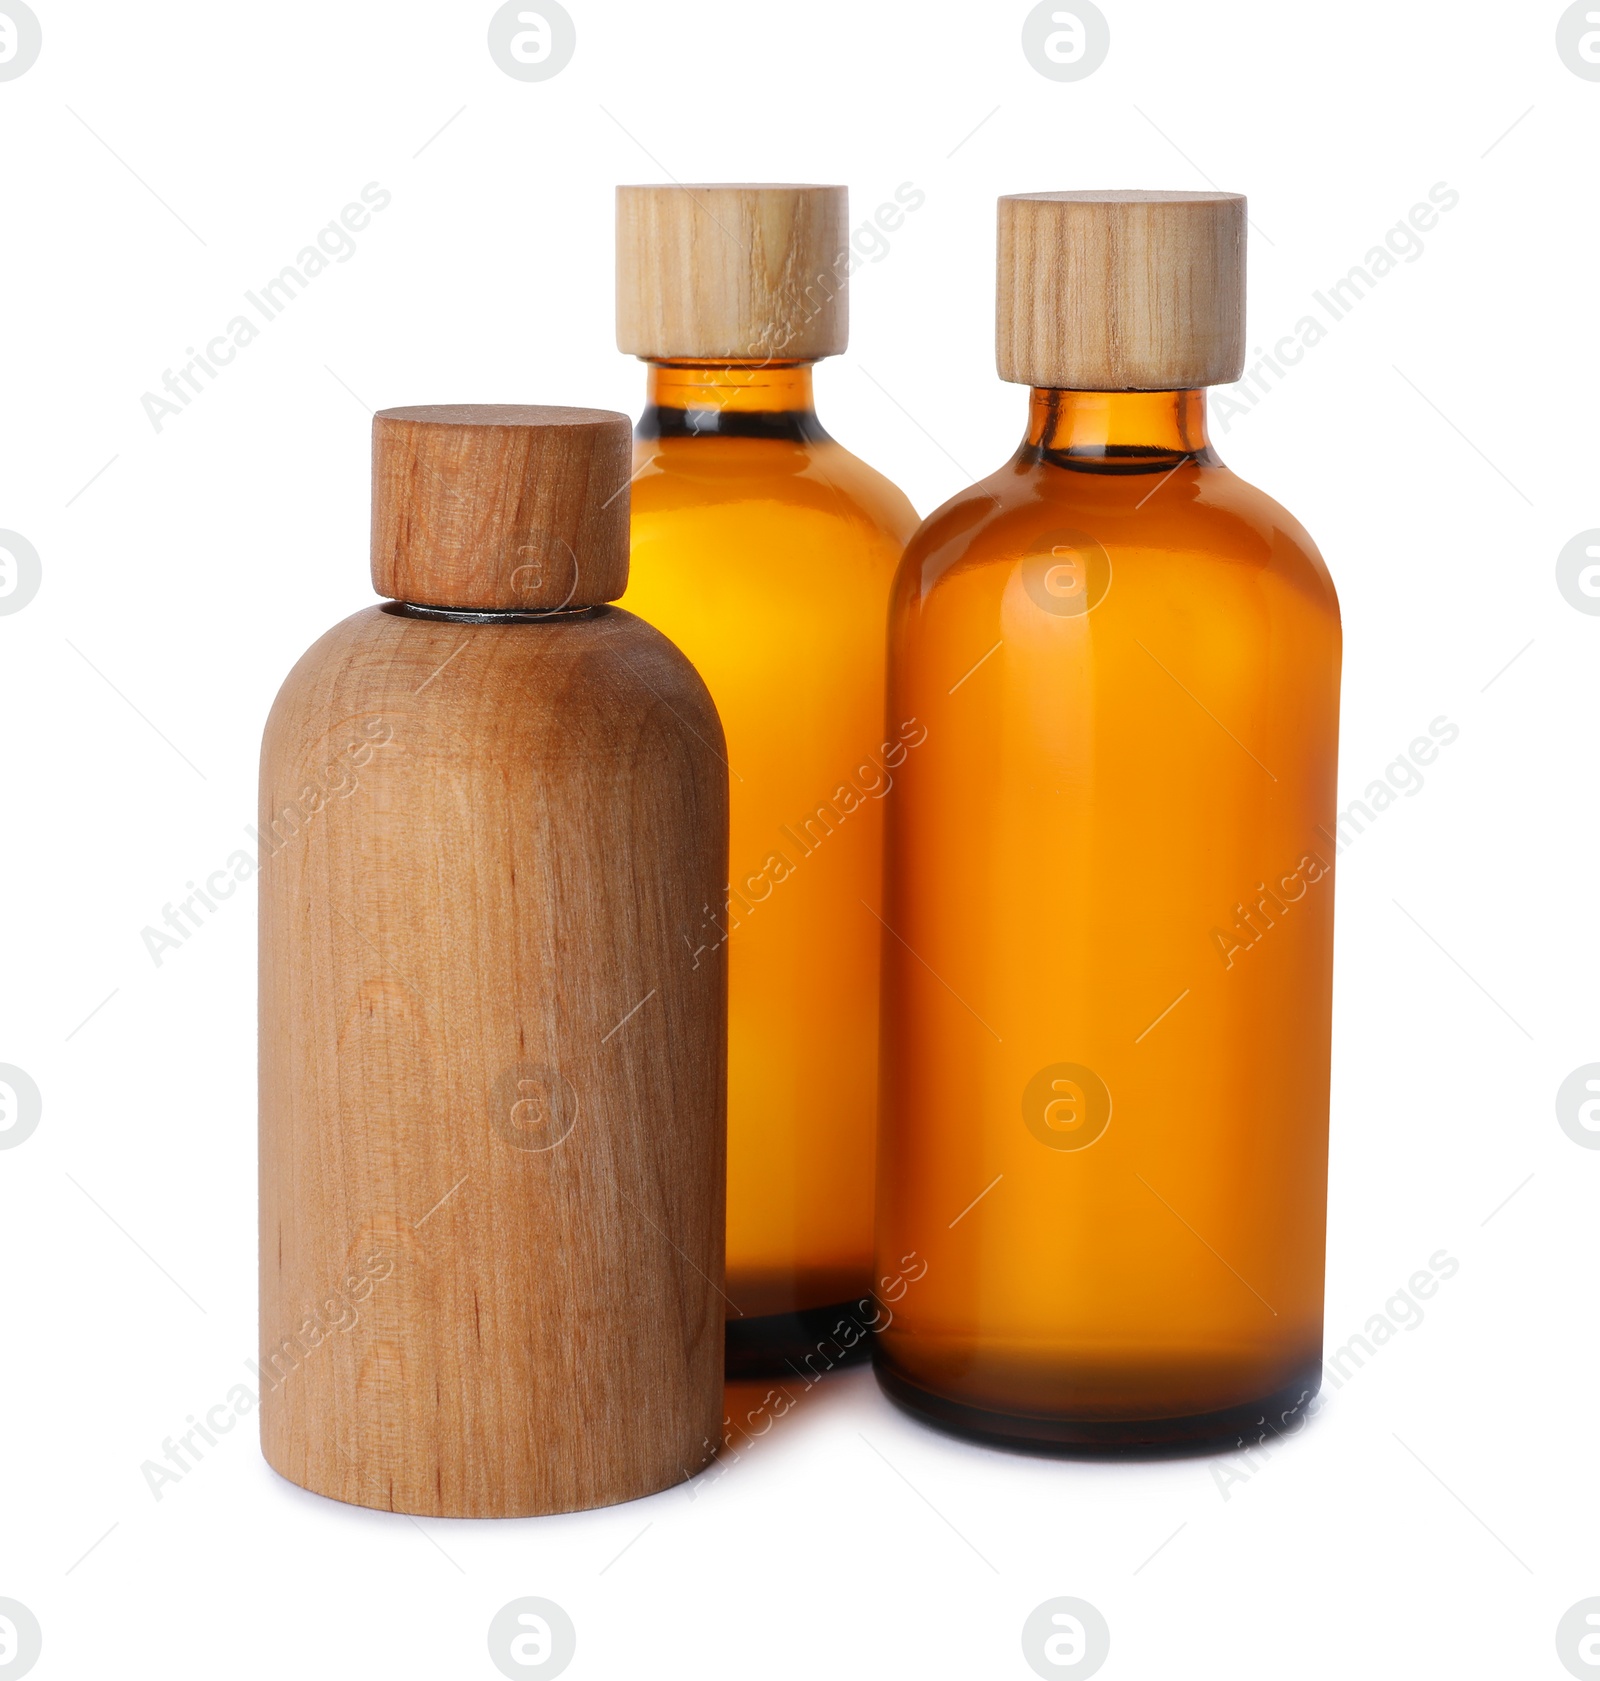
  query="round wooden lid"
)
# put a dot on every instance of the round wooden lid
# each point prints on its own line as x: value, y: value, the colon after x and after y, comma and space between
x: 1121, y: 291
x: 732, y: 272
x: 504, y: 507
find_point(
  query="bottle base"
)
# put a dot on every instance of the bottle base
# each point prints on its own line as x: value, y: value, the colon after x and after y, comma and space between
x: 354, y: 1483
x: 1281, y: 1413
x: 809, y: 1342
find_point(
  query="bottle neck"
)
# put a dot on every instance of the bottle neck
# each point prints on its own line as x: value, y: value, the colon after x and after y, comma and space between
x: 1117, y: 431
x: 749, y: 399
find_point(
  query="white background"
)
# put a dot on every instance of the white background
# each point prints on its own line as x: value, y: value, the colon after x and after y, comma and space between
x: 1436, y: 1517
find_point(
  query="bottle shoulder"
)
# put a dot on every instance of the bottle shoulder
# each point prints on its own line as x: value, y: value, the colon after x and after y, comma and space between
x: 517, y: 678
x: 816, y: 478
x: 871, y: 490
x: 1199, y: 509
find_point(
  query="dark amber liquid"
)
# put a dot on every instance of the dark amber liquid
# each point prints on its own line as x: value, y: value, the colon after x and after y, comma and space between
x: 1108, y: 981
x: 766, y: 551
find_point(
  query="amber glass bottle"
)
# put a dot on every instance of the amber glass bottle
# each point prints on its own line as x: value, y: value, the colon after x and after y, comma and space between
x: 766, y: 551
x: 1109, y: 879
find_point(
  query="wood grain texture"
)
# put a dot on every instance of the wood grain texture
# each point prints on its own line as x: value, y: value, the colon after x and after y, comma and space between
x: 732, y: 272
x: 492, y: 1079
x: 500, y: 506
x: 1125, y: 291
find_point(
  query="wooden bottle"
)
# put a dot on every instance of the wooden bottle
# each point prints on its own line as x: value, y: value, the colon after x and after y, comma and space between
x: 1109, y: 878
x: 765, y: 550
x: 492, y: 1084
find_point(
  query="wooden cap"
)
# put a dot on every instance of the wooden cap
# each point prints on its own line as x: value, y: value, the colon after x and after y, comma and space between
x: 500, y: 506
x: 735, y: 271
x: 1121, y: 291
